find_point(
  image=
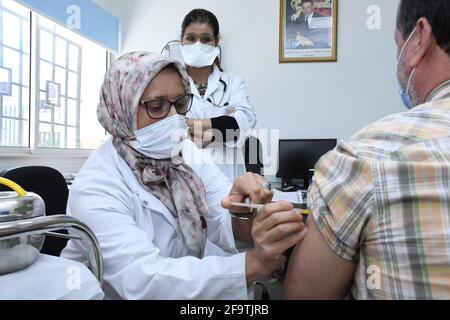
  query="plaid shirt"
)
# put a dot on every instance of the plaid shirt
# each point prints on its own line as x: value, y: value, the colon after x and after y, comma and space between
x: 382, y: 199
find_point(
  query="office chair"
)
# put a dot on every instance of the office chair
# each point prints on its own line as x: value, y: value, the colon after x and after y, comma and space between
x: 50, y: 184
x: 253, y: 155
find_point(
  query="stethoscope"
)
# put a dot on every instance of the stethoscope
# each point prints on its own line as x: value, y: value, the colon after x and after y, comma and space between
x: 226, y: 104
x: 213, y: 101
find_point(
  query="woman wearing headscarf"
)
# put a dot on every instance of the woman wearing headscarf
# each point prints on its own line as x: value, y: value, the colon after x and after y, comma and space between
x: 152, y: 212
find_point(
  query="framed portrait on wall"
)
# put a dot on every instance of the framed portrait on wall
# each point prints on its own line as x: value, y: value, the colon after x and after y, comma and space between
x: 308, y: 30
x: 53, y: 94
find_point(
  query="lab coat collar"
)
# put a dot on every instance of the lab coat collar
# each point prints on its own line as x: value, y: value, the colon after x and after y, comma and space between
x: 194, y: 89
x: 213, y: 83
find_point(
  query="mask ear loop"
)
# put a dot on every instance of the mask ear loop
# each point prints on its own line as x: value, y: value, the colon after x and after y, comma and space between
x: 401, y: 55
x: 406, y: 43
x: 218, y: 60
x: 409, y: 82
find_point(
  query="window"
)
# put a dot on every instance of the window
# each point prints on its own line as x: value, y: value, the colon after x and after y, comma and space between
x: 15, y: 57
x: 55, y: 79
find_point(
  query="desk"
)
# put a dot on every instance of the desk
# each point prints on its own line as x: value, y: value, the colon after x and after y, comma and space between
x: 289, y: 196
x: 50, y: 278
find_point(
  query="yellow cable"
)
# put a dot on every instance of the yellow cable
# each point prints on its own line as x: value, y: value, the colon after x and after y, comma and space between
x: 14, y: 186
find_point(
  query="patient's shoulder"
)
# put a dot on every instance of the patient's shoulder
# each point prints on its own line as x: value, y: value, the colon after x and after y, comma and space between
x: 387, y: 136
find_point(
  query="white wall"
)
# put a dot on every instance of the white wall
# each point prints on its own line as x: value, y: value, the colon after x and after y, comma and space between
x: 303, y: 100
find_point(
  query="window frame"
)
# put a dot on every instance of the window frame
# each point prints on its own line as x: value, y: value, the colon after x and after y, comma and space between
x: 15, y: 155
x: 65, y: 97
x: 21, y: 52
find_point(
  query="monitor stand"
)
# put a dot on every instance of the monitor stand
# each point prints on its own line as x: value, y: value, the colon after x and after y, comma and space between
x: 288, y: 186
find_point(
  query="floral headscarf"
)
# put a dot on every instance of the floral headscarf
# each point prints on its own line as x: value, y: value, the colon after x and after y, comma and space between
x: 173, y: 182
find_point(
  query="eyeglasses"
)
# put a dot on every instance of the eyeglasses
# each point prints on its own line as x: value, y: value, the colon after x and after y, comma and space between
x: 159, y: 108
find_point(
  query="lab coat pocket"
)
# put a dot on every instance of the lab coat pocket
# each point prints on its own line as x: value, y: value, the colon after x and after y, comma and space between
x: 153, y: 206
x: 165, y: 231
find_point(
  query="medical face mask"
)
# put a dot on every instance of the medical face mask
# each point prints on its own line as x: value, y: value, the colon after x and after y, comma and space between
x: 405, y: 96
x: 162, y: 140
x: 199, y: 55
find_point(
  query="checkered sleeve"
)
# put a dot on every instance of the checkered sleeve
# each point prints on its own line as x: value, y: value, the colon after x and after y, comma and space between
x: 341, y: 198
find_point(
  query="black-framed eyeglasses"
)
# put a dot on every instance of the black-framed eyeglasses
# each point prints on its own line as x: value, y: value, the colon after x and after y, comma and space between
x: 159, y: 108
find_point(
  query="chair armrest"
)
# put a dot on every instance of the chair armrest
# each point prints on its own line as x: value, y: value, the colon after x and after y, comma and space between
x: 39, y: 225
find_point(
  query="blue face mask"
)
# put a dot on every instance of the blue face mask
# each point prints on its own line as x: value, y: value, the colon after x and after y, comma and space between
x: 405, y: 95
x: 162, y: 140
x: 406, y: 99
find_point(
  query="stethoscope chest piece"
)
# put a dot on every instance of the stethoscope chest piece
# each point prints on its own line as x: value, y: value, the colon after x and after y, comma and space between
x: 213, y: 101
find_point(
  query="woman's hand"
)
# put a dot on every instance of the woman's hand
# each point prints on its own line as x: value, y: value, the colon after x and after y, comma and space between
x: 275, y: 229
x: 230, y: 111
x: 249, y: 186
x: 201, y: 132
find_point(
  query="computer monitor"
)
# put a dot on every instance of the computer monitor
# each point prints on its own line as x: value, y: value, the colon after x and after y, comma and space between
x: 297, y: 158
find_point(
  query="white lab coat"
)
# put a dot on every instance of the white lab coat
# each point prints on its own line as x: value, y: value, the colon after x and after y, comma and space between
x: 229, y: 157
x: 144, y: 255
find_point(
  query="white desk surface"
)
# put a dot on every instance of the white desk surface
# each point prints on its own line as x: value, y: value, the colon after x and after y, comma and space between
x: 288, y: 196
x: 51, y: 278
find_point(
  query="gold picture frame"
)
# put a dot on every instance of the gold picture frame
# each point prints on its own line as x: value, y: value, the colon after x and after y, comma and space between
x: 311, y: 37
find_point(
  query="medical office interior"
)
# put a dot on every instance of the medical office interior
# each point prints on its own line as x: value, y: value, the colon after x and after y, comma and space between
x: 53, y: 59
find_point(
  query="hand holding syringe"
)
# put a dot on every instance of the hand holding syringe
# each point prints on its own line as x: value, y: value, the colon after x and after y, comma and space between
x: 254, y: 206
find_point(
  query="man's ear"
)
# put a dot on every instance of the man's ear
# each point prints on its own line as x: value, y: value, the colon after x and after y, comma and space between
x: 424, y: 43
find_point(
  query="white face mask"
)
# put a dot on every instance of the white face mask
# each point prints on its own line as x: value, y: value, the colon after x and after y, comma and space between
x: 199, y: 55
x: 162, y: 140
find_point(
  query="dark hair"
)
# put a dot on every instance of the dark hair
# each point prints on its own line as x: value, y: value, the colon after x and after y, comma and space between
x: 305, y: 1
x: 437, y: 12
x: 172, y: 67
x: 201, y: 16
